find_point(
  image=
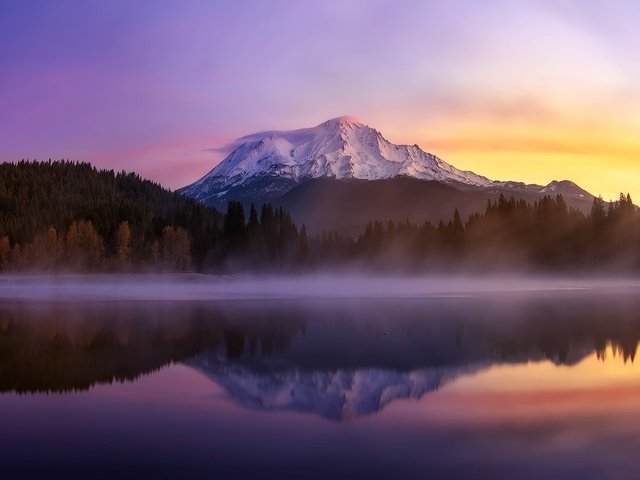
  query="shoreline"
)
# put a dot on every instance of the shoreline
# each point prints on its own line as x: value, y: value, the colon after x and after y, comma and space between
x: 199, y: 287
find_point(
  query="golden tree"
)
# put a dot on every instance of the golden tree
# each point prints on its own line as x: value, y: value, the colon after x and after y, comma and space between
x: 84, y: 246
x: 5, y: 249
x: 176, y: 249
x: 123, y: 244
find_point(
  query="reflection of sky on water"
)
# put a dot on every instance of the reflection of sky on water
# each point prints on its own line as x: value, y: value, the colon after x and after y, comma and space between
x: 176, y: 421
x: 516, y: 387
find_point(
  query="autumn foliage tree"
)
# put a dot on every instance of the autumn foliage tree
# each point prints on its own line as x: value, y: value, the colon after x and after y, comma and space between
x: 83, y: 246
x: 5, y: 250
x: 176, y: 249
x: 123, y: 245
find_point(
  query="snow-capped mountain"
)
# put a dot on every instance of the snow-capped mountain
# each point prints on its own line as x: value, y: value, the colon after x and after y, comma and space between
x: 345, y: 393
x: 342, y: 173
x: 339, y: 148
x: 337, y: 394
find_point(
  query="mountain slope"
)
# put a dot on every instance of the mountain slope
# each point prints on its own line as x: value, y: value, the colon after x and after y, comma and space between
x: 348, y: 205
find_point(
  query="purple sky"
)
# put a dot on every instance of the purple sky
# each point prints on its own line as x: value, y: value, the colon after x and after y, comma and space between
x: 526, y: 90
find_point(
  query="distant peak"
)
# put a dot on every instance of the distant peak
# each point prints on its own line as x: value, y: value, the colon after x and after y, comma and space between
x: 561, y: 183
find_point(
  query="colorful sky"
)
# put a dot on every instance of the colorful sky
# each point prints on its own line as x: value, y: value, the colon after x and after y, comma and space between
x: 520, y: 90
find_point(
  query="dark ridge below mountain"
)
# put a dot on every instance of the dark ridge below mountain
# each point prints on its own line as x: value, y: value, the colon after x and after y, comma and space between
x: 348, y: 205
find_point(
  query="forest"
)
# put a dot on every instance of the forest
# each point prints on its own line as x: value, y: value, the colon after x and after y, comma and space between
x: 61, y: 216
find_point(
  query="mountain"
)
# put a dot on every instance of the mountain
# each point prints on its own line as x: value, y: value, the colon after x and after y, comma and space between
x: 338, y: 148
x: 282, y: 167
x: 335, y: 395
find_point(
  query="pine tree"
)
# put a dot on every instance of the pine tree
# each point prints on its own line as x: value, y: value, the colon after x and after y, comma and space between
x: 598, y: 213
x: 269, y: 230
x: 253, y: 225
x: 303, y: 247
x: 234, y: 230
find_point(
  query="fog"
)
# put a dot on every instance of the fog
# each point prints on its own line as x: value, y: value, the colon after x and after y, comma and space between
x: 194, y: 287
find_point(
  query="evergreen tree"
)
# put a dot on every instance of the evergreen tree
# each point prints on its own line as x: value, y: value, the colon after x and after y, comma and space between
x: 253, y: 225
x: 269, y: 230
x: 235, y: 230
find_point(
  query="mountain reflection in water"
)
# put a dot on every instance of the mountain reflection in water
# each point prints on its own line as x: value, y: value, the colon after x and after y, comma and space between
x: 339, y: 359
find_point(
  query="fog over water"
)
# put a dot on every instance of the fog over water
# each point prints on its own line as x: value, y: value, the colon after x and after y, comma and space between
x: 360, y: 377
x: 187, y: 287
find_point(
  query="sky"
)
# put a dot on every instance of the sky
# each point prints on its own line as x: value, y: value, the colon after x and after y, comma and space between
x: 528, y: 90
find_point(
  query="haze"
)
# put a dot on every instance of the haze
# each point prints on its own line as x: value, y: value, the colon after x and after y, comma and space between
x: 193, y: 287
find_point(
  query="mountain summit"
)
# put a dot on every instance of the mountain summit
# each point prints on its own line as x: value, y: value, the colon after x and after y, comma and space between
x: 339, y: 148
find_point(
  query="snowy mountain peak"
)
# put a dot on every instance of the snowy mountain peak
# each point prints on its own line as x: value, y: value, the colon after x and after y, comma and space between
x: 341, y: 147
x: 345, y: 120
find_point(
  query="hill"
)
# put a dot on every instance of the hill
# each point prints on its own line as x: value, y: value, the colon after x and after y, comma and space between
x: 38, y: 196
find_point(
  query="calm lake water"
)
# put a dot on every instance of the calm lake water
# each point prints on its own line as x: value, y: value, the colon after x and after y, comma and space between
x: 539, y: 385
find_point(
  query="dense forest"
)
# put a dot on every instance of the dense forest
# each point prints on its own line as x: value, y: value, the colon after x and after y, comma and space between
x: 545, y: 235
x: 64, y: 216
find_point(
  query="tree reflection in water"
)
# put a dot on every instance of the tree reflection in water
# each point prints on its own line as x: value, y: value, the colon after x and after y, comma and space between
x: 338, y: 358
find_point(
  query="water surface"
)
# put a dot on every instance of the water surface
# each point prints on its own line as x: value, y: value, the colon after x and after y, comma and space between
x: 528, y: 383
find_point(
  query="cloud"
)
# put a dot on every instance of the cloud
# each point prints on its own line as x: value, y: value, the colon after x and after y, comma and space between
x: 223, y: 149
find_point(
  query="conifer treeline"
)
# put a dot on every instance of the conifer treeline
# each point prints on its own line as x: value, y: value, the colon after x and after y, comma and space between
x: 510, y: 233
x: 64, y: 216
x: 270, y: 240
x: 546, y: 235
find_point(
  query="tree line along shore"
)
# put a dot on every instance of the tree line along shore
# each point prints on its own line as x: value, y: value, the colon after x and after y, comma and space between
x: 71, y: 217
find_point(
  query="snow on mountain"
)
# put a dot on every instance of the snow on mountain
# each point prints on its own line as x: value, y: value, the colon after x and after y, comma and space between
x: 340, y: 148
x: 337, y: 395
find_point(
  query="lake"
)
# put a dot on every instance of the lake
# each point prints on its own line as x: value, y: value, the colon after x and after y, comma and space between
x: 476, y: 383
